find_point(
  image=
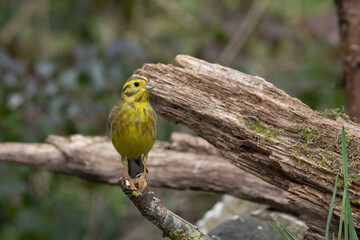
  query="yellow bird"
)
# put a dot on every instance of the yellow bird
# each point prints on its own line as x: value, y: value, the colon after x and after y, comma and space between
x: 132, y: 124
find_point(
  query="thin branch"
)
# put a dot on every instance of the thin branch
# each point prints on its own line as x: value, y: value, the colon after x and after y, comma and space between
x: 152, y: 209
x: 17, y: 22
x: 243, y: 31
x: 180, y: 15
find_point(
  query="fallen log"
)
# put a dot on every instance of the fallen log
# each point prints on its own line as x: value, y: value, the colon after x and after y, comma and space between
x: 262, y: 130
x: 186, y: 163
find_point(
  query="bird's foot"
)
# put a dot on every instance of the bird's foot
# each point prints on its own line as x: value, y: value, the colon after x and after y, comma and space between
x: 137, y: 183
x: 142, y: 181
x: 133, y: 187
x: 129, y: 183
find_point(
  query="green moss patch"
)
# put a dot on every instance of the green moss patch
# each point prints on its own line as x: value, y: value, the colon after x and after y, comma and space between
x: 257, y: 126
x: 240, y: 119
x: 308, y: 135
x: 336, y: 113
x: 312, y: 151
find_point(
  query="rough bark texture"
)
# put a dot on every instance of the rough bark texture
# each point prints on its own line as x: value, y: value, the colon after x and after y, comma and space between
x: 152, y: 209
x: 349, y: 26
x: 186, y: 163
x: 261, y: 130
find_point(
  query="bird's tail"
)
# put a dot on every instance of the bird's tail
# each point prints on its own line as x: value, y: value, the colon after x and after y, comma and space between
x: 135, y: 166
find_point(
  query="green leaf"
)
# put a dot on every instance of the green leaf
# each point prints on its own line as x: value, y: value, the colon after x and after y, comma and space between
x: 344, y: 157
x: 292, y: 236
x: 352, y: 232
x: 331, y: 207
x: 344, y: 160
x: 279, y: 230
x: 346, y: 215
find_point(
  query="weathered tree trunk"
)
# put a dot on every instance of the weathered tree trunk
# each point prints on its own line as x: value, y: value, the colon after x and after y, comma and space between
x: 262, y: 130
x: 349, y: 26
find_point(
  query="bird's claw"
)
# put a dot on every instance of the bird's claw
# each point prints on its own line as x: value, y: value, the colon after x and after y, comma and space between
x: 142, y: 181
x: 140, y: 184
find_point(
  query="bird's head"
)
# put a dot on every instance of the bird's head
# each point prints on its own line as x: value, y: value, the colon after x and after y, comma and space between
x: 137, y: 89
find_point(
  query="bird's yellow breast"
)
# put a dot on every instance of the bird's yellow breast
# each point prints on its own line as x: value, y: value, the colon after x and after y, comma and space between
x: 133, y: 129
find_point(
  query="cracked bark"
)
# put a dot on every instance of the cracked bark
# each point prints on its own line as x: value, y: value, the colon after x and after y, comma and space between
x: 262, y: 130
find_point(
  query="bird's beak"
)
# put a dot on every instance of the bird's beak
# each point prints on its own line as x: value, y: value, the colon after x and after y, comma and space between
x: 148, y: 86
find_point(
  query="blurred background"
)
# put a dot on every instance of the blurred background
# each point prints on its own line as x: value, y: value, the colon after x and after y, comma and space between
x: 62, y: 66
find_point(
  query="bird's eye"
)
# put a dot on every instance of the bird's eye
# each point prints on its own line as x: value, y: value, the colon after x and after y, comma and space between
x: 136, y: 84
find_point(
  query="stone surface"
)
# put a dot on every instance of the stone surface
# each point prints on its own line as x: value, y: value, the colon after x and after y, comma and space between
x: 229, y: 219
x: 226, y: 209
x: 245, y: 227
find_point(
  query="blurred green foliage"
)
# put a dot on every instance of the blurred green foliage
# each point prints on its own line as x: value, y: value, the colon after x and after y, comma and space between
x: 63, y: 63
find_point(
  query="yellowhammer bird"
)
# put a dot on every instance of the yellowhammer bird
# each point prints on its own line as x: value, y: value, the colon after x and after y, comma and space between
x: 132, y: 124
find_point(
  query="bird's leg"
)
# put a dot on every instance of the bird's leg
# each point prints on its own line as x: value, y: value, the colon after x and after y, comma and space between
x: 128, y: 178
x: 142, y: 178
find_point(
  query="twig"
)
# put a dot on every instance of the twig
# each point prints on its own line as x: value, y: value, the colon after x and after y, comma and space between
x: 181, y: 16
x: 152, y: 209
x: 243, y: 32
x: 18, y: 21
